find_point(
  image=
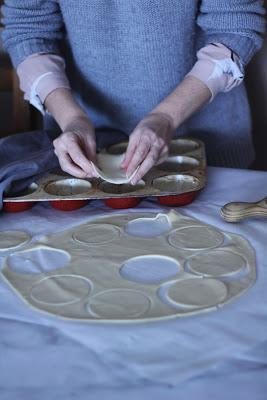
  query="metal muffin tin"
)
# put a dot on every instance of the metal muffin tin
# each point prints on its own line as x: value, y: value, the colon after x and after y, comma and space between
x: 183, y: 172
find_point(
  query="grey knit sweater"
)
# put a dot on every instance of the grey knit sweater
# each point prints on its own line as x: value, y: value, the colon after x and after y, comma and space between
x: 124, y: 56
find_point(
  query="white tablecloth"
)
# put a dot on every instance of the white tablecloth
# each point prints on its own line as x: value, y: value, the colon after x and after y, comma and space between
x: 221, y: 354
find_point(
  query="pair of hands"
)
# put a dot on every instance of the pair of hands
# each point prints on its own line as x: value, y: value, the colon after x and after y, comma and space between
x: 148, y: 146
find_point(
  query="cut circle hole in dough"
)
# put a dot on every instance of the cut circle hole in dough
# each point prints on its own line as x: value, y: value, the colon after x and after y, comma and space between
x: 176, y: 183
x: 198, y: 292
x: 68, y: 187
x: 38, y: 261
x: 10, y: 240
x: 96, y: 234
x: 119, y: 304
x: 148, y: 227
x: 216, y: 263
x: 196, y: 238
x: 60, y: 290
x: 149, y: 269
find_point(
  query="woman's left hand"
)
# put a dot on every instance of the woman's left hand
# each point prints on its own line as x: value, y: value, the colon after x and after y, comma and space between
x: 148, y: 144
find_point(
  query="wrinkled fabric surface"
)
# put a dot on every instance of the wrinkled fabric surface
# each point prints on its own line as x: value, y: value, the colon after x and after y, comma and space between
x: 221, y: 354
x: 23, y: 158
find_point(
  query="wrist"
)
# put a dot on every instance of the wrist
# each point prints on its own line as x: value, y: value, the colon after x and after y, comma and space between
x: 163, y: 116
x: 169, y: 112
x: 79, y: 124
x: 189, y: 96
x: 72, y: 116
x: 64, y: 108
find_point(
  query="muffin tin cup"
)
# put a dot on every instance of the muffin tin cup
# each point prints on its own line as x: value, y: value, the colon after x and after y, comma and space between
x: 178, y: 200
x: 14, y: 207
x: 21, y: 206
x: 123, y: 202
x: 68, y: 205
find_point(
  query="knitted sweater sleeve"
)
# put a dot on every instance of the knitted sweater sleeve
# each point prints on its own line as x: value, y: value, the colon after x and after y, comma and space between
x: 238, y: 24
x: 31, y: 26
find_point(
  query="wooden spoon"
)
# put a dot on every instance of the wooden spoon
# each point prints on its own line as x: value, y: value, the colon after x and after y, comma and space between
x: 233, y: 212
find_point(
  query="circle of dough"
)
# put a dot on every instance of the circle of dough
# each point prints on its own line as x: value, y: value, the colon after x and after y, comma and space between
x: 198, y: 292
x: 12, y: 239
x: 119, y: 304
x: 216, y: 263
x: 95, y: 234
x: 195, y: 238
x: 60, y: 290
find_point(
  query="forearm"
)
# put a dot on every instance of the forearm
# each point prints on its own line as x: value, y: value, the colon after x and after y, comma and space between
x: 184, y: 101
x: 238, y: 24
x: 64, y: 108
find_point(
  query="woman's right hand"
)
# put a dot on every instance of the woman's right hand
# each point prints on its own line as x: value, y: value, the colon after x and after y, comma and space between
x: 76, y: 148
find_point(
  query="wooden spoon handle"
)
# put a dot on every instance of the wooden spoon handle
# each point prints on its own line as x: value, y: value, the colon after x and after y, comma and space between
x: 233, y: 212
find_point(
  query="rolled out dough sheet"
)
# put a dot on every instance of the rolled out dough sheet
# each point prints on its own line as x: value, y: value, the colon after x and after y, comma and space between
x: 109, y: 168
x: 112, y: 275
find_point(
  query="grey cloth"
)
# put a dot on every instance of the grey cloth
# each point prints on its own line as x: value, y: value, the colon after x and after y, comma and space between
x: 23, y: 158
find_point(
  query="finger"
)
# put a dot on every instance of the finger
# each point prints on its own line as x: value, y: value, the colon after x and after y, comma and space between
x: 133, y: 143
x: 68, y: 166
x: 163, y: 155
x: 76, y: 154
x: 146, y: 165
x: 139, y: 156
x: 90, y: 150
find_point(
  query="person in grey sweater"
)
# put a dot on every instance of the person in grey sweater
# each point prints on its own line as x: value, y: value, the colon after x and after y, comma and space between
x: 150, y: 69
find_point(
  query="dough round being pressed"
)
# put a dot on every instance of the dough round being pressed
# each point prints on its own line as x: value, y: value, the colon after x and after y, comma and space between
x: 108, y: 167
x: 198, y: 292
x: 60, y: 290
x: 95, y: 234
x: 119, y: 304
x: 196, y: 238
x: 216, y: 263
x: 12, y: 239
